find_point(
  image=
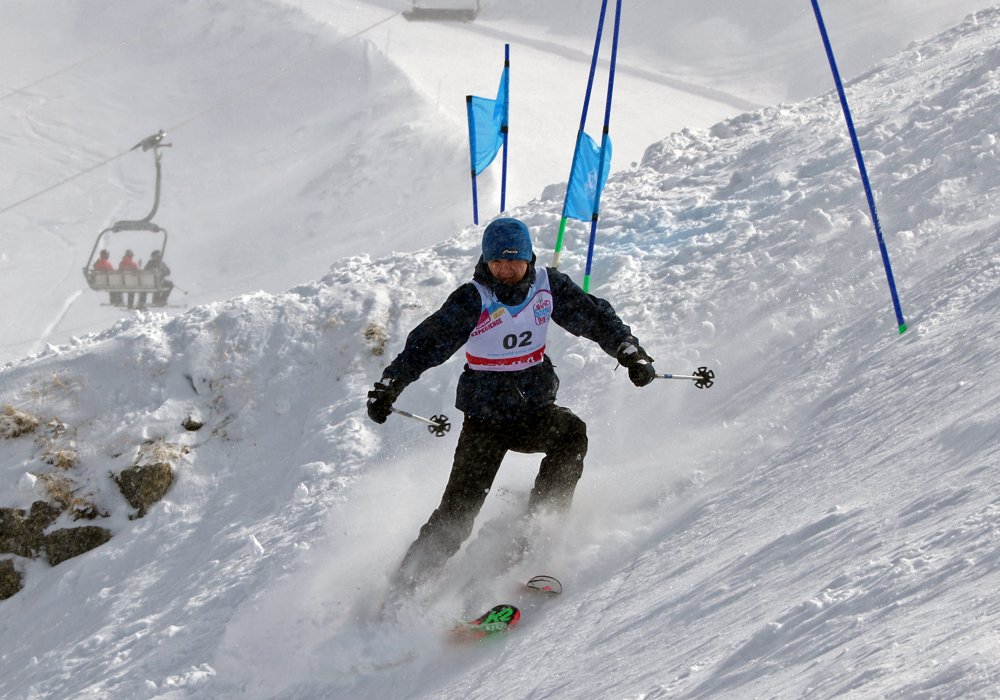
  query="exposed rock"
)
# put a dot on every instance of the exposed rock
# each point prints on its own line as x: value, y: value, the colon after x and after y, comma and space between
x: 144, y: 485
x: 22, y: 534
x: 192, y: 424
x: 10, y: 579
x: 70, y: 542
x: 42, y: 514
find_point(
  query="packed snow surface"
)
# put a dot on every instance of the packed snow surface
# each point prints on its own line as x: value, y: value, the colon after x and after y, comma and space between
x: 823, y: 522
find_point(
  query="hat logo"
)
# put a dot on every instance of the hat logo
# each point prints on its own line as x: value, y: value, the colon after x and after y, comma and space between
x: 510, y: 251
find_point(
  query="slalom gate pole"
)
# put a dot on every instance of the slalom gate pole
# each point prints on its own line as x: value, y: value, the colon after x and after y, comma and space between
x: 604, y: 148
x: 861, y: 167
x: 559, y: 239
x: 472, y: 157
x: 438, y: 424
x: 579, y: 134
x: 504, y: 129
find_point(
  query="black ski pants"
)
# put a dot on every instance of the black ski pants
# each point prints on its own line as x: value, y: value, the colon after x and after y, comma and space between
x: 555, y: 431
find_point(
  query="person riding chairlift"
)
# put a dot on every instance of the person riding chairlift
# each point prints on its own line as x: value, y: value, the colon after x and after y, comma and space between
x: 128, y: 263
x: 156, y: 264
x: 103, y: 263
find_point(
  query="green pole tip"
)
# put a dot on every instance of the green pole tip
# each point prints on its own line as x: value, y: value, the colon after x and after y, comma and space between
x: 902, y: 328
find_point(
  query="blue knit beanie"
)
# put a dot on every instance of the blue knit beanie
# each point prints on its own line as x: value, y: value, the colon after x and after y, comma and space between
x: 506, y: 239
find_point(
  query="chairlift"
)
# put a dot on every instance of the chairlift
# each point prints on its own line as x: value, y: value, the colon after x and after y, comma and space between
x: 442, y: 11
x: 143, y: 282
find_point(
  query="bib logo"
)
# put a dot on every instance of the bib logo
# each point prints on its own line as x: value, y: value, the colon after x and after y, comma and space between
x: 488, y: 321
x: 543, y: 309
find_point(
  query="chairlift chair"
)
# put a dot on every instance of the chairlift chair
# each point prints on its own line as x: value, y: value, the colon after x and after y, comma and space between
x: 133, y: 281
x: 442, y: 11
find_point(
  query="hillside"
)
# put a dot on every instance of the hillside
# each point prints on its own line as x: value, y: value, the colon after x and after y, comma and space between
x: 304, y: 131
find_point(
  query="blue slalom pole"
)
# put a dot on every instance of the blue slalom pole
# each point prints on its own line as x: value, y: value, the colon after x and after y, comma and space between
x: 579, y: 134
x: 604, y: 147
x: 593, y: 67
x: 503, y: 128
x: 472, y: 157
x: 861, y: 167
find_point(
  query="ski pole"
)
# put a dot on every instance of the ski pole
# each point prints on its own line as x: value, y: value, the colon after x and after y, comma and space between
x: 702, y: 377
x: 438, y: 424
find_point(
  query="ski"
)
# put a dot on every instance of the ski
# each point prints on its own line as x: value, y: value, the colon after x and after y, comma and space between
x: 501, y: 619
x: 544, y: 584
x: 495, y: 621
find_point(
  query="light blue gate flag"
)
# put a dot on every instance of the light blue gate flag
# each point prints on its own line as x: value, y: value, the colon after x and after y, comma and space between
x: 487, y: 119
x: 584, y: 189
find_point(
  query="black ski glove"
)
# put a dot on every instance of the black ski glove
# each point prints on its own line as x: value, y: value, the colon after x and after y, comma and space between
x: 637, y: 362
x: 381, y: 398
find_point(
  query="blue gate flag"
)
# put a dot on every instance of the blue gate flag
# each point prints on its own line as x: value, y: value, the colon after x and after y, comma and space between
x: 486, y: 121
x: 584, y: 188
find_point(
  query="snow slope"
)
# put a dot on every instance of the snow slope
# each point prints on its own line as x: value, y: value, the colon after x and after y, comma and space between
x: 307, y: 130
x: 822, y: 522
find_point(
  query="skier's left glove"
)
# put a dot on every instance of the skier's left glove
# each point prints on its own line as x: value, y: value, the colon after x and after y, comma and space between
x: 639, y: 365
x: 381, y: 398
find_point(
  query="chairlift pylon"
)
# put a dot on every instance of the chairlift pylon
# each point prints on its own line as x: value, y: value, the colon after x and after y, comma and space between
x: 442, y: 11
x: 131, y: 282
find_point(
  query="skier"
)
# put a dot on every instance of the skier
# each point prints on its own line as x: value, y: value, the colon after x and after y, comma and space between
x: 507, y: 390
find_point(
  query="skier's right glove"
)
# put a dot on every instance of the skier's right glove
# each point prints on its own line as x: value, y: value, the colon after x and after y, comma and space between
x: 639, y: 365
x: 381, y: 398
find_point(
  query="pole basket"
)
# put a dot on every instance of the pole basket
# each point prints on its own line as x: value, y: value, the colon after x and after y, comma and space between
x: 443, y: 425
x: 705, y: 378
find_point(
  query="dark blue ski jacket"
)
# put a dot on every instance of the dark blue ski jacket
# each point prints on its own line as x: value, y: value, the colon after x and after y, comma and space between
x: 505, y: 396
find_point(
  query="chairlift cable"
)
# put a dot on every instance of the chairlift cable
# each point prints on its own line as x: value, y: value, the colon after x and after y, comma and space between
x: 212, y: 106
x: 24, y: 88
x: 59, y: 184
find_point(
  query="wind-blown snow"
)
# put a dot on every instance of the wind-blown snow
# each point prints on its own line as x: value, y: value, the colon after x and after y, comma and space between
x: 824, y: 521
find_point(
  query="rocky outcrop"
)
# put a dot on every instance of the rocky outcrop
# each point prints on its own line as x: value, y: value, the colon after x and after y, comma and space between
x: 30, y: 534
x: 22, y: 533
x: 10, y: 579
x: 70, y: 542
x: 144, y: 485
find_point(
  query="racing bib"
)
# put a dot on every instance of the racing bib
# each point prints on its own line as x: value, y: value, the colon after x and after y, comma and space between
x: 511, y: 338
